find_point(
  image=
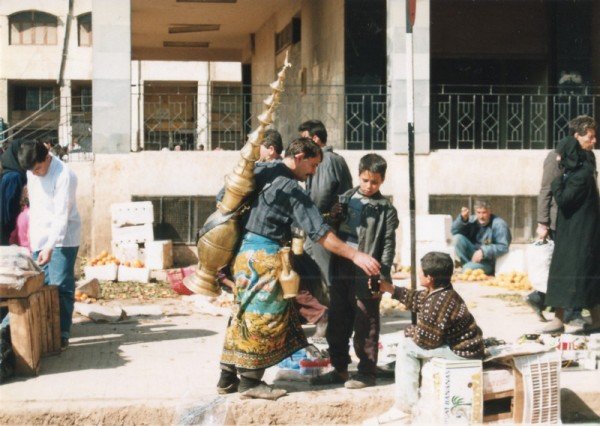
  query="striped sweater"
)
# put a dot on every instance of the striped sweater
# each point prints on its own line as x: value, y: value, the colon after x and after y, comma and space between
x: 442, y: 319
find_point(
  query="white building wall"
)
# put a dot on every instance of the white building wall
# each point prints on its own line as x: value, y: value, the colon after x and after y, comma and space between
x: 116, y: 178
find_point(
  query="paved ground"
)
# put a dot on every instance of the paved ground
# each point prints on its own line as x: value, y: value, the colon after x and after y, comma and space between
x: 163, y: 371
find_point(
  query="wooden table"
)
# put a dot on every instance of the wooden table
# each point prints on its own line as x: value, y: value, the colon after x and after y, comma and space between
x: 34, y: 312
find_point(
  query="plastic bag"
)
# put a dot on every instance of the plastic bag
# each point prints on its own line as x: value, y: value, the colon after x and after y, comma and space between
x: 213, y: 412
x: 539, y: 255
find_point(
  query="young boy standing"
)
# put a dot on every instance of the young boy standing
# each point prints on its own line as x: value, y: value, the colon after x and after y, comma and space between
x: 445, y: 329
x: 368, y: 222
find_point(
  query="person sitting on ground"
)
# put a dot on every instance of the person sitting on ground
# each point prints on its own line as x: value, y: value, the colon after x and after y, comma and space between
x: 271, y: 147
x: 480, y: 239
x: 369, y: 221
x: 445, y: 329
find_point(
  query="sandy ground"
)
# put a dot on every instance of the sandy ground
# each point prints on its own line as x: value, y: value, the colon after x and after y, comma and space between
x: 163, y: 370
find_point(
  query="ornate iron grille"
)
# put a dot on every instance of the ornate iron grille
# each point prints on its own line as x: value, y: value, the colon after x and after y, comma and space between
x: 223, y: 114
x: 503, y: 117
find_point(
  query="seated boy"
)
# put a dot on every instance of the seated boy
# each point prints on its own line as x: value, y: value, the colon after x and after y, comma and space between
x: 445, y: 329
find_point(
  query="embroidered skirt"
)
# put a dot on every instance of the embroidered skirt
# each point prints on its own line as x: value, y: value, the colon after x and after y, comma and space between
x: 264, y: 328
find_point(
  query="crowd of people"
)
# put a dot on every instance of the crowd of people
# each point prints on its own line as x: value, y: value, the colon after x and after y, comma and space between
x: 347, y: 260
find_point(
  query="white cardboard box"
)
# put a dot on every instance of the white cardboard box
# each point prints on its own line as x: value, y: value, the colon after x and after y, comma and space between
x: 136, y: 213
x: 133, y: 233
x: 141, y: 275
x: 429, y: 228
x: 159, y: 254
x: 453, y: 391
x: 101, y: 272
x: 128, y: 252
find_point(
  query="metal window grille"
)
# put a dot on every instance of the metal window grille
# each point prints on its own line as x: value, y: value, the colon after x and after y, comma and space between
x: 178, y: 218
x: 505, y: 117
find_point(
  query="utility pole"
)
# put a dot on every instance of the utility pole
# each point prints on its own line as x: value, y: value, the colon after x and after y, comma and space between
x: 411, y: 8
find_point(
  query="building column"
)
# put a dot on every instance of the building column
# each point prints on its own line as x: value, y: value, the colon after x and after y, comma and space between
x: 4, y: 100
x: 65, y: 129
x: 397, y: 75
x: 137, y: 107
x: 111, y: 76
x: 202, y: 120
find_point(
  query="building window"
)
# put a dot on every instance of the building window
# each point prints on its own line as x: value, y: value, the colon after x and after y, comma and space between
x: 33, y: 98
x: 84, y: 29
x: 33, y: 28
x: 179, y: 218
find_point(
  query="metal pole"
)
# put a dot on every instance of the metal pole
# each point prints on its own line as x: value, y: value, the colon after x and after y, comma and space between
x: 410, y: 21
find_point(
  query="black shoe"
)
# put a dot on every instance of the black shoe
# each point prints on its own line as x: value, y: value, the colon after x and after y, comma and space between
x: 537, y: 307
x: 64, y: 343
x: 228, y: 383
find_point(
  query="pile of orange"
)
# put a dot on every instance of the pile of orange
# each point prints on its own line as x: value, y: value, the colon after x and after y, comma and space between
x: 135, y: 264
x: 104, y: 258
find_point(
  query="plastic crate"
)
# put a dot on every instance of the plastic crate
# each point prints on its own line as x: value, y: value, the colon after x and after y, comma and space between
x: 540, y: 388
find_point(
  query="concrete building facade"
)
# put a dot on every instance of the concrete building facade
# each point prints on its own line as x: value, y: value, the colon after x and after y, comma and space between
x: 489, y: 93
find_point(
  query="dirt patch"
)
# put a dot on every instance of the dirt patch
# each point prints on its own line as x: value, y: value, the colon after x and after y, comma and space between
x: 108, y: 416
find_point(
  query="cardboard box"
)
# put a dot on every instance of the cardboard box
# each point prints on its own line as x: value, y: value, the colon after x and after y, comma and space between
x: 133, y: 233
x: 128, y: 252
x: 127, y: 273
x: 159, y: 254
x: 136, y: 213
x: 101, y: 273
x: 454, y: 389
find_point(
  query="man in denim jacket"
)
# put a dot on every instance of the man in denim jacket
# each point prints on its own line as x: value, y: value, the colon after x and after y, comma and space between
x: 481, y: 238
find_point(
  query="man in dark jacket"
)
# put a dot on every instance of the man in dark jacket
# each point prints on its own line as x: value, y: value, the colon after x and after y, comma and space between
x: 332, y: 179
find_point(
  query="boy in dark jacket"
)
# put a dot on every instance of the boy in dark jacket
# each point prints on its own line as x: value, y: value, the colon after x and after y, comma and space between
x: 445, y: 329
x: 367, y: 221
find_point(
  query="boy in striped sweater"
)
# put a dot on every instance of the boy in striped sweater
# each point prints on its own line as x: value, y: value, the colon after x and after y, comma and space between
x: 445, y: 329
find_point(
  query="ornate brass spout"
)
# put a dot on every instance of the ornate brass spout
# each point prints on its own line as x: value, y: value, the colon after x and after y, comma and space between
x: 216, y: 247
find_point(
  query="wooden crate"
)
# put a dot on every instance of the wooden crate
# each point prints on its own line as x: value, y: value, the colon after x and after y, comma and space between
x: 34, y: 328
x: 32, y: 284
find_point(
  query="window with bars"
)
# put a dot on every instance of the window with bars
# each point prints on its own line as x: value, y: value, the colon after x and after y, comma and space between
x: 519, y: 212
x: 84, y: 29
x: 33, y: 28
x: 179, y: 218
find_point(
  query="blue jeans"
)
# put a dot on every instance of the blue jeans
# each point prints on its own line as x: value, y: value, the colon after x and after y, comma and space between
x: 60, y: 271
x: 464, y: 250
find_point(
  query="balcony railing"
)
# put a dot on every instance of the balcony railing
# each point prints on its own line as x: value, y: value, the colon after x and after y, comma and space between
x: 505, y: 117
x: 221, y: 115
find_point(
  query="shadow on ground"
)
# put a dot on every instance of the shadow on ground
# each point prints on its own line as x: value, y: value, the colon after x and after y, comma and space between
x: 100, y: 346
x: 575, y: 410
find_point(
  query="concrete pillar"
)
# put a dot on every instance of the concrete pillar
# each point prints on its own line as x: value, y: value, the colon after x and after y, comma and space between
x: 65, y: 129
x: 202, y: 121
x: 111, y: 76
x: 397, y: 122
